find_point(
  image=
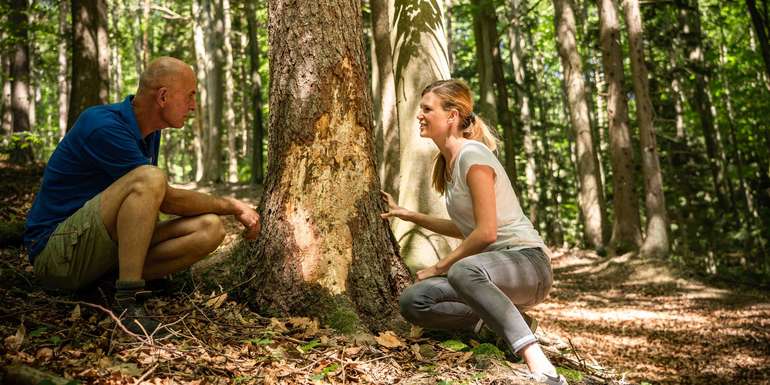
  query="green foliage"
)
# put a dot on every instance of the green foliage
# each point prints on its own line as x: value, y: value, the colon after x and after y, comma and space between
x: 570, y: 374
x: 488, y: 350
x: 309, y: 346
x: 453, y: 345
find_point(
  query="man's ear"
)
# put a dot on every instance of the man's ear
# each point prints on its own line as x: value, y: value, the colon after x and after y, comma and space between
x: 162, y: 96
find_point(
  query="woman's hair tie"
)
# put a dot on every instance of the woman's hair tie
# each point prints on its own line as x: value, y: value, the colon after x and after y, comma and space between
x: 469, y: 120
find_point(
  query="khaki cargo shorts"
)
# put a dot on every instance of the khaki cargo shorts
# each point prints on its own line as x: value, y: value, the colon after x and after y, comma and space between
x: 78, y: 252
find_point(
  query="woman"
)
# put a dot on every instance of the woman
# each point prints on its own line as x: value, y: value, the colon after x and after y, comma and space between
x: 501, y: 265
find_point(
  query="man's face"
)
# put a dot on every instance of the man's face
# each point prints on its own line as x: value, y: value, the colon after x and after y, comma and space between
x: 180, y: 101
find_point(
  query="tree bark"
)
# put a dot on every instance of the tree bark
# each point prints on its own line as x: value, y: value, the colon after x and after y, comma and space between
x: 419, y: 58
x: 485, y: 43
x: 324, y: 250
x: 6, y: 126
x: 384, y: 95
x: 213, y: 33
x: 257, y: 160
x: 227, y: 103
x: 90, y: 57
x: 762, y: 28
x: 517, y: 45
x: 19, y: 74
x: 201, y: 69
x: 689, y: 19
x: 656, y: 243
x: 62, y: 79
x: 115, y: 57
x: 590, y: 196
x: 626, y: 228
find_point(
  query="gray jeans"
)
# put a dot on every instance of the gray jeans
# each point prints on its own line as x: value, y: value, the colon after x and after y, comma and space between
x: 494, y: 286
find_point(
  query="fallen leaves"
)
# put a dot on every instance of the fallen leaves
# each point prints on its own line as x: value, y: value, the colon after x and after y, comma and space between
x: 389, y: 339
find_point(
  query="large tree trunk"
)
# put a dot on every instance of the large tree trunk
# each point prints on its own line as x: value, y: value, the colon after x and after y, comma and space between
x: 90, y: 57
x: 517, y: 46
x: 257, y: 175
x: 227, y: 103
x: 384, y: 95
x: 62, y: 79
x: 324, y: 250
x: 590, y: 196
x: 626, y: 228
x: 19, y: 74
x: 419, y: 58
x: 487, y: 103
x: 762, y: 28
x: 656, y: 243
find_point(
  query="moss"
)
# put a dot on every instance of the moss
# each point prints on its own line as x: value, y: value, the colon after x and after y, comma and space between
x: 489, y: 350
x: 570, y: 374
x: 343, y: 319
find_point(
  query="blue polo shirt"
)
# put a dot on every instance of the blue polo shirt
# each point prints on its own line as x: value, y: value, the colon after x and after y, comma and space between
x: 104, y: 144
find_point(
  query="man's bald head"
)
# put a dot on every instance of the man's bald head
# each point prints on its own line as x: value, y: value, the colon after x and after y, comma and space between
x: 164, y: 72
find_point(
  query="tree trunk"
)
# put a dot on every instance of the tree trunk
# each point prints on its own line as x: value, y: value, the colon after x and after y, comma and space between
x: 90, y: 57
x: 626, y: 228
x: 447, y: 27
x: 324, y: 250
x: 689, y: 19
x: 487, y: 103
x: 62, y: 79
x: 201, y: 112
x: 19, y: 74
x: 419, y: 58
x: 656, y: 243
x: 256, y: 97
x: 115, y: 57
x: 590, y: 196
x: 384, y: 95
x: 227, y: 103
x: 213, y: 33
x: 6, y: 126
x: 146, y: 26
x: 517, y: 45
x: 762, y: 28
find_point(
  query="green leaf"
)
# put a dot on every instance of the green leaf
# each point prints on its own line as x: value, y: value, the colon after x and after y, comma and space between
x: 569, y: 374
x: 259, y: 341
x: 308, y: 346
x: 38, y: 332
x: 56, y: 340
x: 453, y: 345
x: 330, y: 369
x: 487, y: 349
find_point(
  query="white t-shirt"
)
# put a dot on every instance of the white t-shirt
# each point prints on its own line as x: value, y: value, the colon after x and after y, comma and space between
x: 514, y: 230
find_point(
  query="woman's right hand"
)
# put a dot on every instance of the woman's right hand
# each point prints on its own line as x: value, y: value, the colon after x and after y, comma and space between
x: 394, y: 210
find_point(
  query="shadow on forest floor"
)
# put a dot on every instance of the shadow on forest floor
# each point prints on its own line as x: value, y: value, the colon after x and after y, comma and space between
x: 642, y: 319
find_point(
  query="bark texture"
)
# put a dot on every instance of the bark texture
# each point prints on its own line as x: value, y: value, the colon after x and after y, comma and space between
x: 419, y: 58
x: 90, y: 57
x: 62, y: 79
x: 656, y: 243
x: 626, y: 227
x: 20, y: 80
x: 257, y: 156
x: 590, y: 197
x: 384, y: 95
x: 324, y: 250
x: 762, y: 28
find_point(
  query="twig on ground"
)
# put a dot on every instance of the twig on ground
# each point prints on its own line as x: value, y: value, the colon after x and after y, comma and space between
x: 145, y: 375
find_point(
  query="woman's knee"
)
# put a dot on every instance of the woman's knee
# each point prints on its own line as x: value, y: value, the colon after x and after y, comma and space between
x: 408, y: 304
x: 464, y: 272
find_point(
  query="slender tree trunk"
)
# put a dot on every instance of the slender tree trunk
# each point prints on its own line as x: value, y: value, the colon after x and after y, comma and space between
x: 117, y: 66
x: 419, y: 58
x: 324, y: 251
x: 90, y: 57
x: 384, y: 95
x: 256, y: 96
x: 656, y: 243
x: 146, y: 26
x: 447, y: 27
x: 6, y: 126
x: 212, y: 170
x: 517, y: 45
x: 487, y: 103
x: 590, y: 196
x: 62, y: 79
x: 676, y: 95
x: 19, y: 74
x: 228, y: 108
x: 626, y: 228
x: 689, y: 19
x: 762, y: 29
x: 201, y: 69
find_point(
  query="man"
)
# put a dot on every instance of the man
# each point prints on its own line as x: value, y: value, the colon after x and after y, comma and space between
x: 101, y: 194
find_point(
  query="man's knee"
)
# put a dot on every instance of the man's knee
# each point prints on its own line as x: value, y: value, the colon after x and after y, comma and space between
x: 212, y: 228
x: 148, y: 180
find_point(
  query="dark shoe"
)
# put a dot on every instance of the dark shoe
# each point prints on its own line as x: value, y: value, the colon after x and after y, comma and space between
x: 129, y: 306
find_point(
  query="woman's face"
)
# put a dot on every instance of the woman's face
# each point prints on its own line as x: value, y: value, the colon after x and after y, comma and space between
x: 434, y: 121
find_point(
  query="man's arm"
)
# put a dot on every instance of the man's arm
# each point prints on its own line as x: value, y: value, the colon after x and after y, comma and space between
x: 189, y: 203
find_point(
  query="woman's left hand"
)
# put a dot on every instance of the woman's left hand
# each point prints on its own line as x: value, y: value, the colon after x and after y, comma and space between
x: 431, y: 271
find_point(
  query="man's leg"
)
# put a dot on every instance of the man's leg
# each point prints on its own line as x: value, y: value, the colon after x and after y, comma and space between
x: 179, y: 243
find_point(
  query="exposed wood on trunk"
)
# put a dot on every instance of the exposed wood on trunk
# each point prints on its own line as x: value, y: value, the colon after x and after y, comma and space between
x: 324, y: 250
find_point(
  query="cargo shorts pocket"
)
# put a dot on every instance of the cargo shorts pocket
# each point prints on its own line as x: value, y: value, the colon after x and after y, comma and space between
x: 55, y: 265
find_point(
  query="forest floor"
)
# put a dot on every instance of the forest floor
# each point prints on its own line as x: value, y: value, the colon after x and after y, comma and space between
x: 608, y: 320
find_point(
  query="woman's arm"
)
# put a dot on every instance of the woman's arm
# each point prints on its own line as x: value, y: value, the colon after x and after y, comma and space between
x: 437, y: 225
x: 481, y: 182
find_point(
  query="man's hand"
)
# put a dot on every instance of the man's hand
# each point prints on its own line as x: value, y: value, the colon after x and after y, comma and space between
x: 248, y: 217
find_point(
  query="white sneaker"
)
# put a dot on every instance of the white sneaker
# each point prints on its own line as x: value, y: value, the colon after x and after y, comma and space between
x: 548, y: 379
